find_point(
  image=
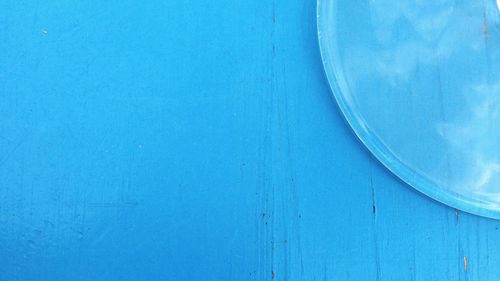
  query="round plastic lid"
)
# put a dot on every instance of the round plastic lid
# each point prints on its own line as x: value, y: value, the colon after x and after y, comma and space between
x: 419, y: 83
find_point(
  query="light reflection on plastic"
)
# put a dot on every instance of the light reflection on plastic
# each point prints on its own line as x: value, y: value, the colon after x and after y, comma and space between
x: 417, y: 82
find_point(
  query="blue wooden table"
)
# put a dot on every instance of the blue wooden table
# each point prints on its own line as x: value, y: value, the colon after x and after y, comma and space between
x: 181, y: 140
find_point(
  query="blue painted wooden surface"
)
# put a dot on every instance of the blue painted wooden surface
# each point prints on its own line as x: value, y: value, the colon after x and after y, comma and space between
x: 180, y: 140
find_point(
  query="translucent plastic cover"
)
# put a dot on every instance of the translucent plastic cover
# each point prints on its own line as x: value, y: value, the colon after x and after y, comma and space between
x: 419, y: 83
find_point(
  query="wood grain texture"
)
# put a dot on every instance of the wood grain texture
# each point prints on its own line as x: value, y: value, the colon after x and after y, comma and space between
x: 177, y: 140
